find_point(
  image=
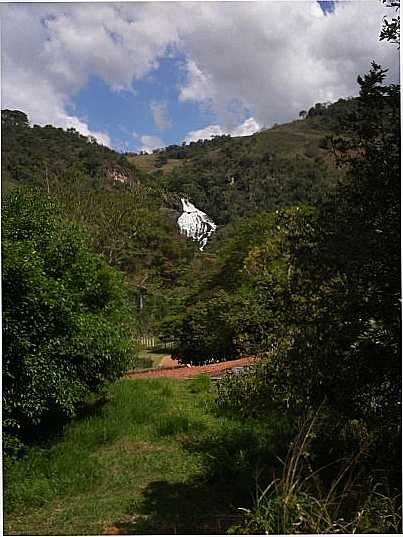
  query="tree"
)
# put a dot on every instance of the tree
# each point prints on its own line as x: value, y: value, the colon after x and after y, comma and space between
x: 391, y: 29
x: 331, y: 285
x: 14, y: 119
x: 64, y: 317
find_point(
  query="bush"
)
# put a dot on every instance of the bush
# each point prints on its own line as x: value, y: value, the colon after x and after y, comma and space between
x: 207, y: 332
x: 253, y: 394
x: 300, y: 501
x: 63, y: 317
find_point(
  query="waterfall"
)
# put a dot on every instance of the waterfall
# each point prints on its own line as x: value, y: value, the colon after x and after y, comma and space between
x: 195, y: 224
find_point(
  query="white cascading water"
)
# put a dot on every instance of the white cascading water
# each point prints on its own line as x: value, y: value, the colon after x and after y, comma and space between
x: 195, y: 224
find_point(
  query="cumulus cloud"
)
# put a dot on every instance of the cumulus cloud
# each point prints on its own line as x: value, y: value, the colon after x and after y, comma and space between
x: 160, y: 115
x: 51, y: 50
x: 277, y: 58
x: 270, y: 58
x: 198, y: 87
x: 248, y: 127
x: 149, y: 143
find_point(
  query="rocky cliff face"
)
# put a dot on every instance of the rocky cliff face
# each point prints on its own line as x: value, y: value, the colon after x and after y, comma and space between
x: 195, y: 224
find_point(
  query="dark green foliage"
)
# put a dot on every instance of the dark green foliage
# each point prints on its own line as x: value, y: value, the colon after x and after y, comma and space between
x: 252, y: 393
x: 138, y: 235
x: 304, y: 270
x: 230, y: 178
x: 132, y: 224
x: 333, y: 117
x: 132, y: 230
x: 206, y: 334
x: 334, y: 284
x: 53, y: 158
x: 358, y: 256
x: 187, y: 151
x: 256, y: 293
x: 64, y: 314
x: 248, y: 175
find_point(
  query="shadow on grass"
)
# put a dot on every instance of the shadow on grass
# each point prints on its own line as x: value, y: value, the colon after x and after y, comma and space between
x: 235, y: 459
x: 196, y: 507
x: 52, y: 426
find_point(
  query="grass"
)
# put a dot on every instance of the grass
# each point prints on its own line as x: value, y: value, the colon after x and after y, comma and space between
x: 286, y: 140
x: 142, y: 463
x: 148, y: 163
x: 156, y: 459
x: 297, y: 502
x: 148, y: 358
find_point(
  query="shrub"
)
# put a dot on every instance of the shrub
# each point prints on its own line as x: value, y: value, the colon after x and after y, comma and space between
x: 298, y: 502
x: 206, y: 334
x: 63, y: 317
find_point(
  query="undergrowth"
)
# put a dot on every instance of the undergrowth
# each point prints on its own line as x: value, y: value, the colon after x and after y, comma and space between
x: 299, y: 502
x: 156, y: 458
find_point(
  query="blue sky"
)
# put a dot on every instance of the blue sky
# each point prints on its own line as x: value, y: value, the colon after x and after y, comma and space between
x: 327, y: 6
x: 143, y: 75
x: 127, y: 115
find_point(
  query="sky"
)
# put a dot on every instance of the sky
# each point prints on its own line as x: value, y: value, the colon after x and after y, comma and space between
x: 144, y: 75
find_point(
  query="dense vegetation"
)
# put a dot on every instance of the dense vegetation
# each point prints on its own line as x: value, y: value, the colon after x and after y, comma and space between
x: 129, y: 217
x: 64, y: 317
x: 320, y: 289
x: 235, y: 177
x: 53, y: 157
x: 304, y: 271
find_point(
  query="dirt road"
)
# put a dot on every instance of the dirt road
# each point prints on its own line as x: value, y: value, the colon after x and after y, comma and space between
x: 187, y: 372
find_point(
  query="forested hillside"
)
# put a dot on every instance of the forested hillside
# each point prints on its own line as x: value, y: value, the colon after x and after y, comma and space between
x: 235, y: 177
x: 53, y: 157
x: 130, y: 209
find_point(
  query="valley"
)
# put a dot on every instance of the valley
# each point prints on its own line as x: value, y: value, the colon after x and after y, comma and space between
x: 266, y: 266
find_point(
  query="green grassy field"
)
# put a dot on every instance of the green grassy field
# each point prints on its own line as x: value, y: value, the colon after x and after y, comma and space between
x: 154, y: 459
x: 148, y: 163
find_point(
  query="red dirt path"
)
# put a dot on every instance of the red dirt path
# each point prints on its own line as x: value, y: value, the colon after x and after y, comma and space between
x: 186, y: 372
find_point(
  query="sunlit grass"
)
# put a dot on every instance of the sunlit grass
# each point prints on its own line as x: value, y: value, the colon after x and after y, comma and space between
x: 95, y: 473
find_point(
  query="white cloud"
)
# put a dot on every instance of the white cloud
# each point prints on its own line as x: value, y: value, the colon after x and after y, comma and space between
x: 248, y: 127
x: 149, y: 142
x: 271, y: 58
x: 316, y: 10
x: 277, y: 58
x: 51, y: 50
x: 160, y: 115
x: 198, y: 87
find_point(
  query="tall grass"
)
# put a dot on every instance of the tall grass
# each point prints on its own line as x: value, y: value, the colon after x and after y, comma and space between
x: 125, y: 465
x: 298, y: 502
x: 71, y: 464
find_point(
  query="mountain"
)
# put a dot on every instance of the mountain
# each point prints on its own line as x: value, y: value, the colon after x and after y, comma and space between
x: 230, y: 178
x: 140, y: 210
x: 51, y: 157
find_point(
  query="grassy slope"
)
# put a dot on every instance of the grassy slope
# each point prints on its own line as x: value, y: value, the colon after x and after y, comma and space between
x: 147, y: 163
x: 287, y: 140
x: 144, y: 463
x: 295, y: 138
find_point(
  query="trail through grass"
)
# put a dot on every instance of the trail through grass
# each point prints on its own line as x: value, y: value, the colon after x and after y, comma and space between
x: 151, y: 460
